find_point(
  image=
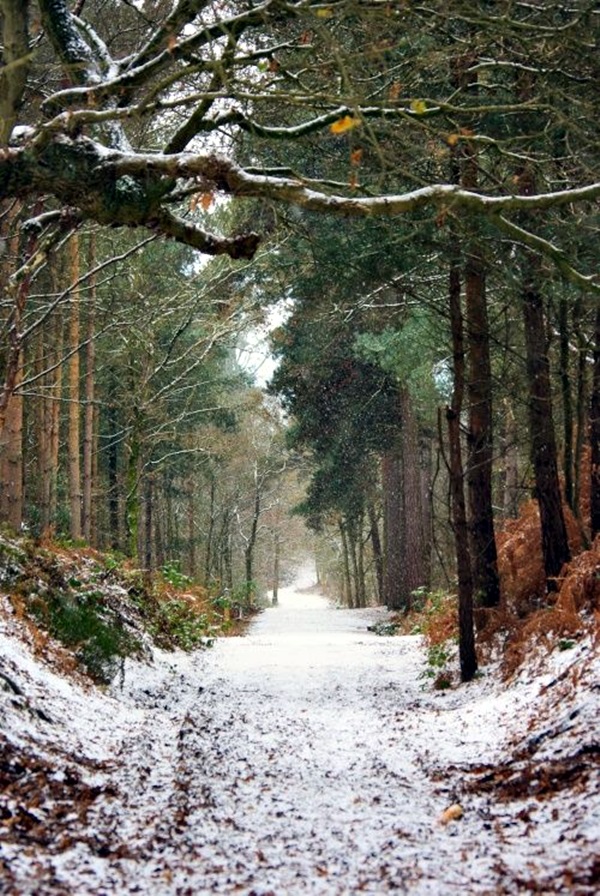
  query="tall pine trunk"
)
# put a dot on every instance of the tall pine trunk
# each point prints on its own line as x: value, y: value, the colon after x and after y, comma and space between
x: 468, y: 656
x: 11, y: 456
x: 89, y: 415
x: 544, y: 458
x: 391, y: 481
x: 484, y: 561
x: 413, y: 572
x: 486, y: 585
x: 377, y: 549
x: 74, y: 429
x: 542, y: 437
x: 595, y: 433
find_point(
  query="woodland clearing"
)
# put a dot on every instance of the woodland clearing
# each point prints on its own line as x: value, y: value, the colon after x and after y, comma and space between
x: 309, y: 756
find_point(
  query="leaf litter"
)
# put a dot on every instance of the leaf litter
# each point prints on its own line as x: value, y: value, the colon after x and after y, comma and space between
x: 307, y: 757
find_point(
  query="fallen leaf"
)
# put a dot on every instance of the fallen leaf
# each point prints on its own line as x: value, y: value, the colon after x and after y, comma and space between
x: 452, y: 813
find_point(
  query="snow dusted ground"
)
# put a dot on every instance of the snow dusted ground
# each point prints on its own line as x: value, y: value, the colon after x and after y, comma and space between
x: 304, y: 758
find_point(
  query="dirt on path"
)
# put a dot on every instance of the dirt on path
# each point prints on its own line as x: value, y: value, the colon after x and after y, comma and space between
x: 309, y: 758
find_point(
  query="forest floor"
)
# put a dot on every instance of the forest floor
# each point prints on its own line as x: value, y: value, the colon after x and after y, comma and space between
x: 309, y: 757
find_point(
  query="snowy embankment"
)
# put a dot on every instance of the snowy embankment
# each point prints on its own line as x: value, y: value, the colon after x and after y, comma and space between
x: 306, y: 757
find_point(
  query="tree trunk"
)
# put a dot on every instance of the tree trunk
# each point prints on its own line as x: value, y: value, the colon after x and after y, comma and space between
x: 208, y: 558
x: 361, y: 584
x: 484, y: 566
x: 486, y: 585
x: 377, y: 551
x: 73, y: 439
x: 581, y: 408
x: 148, y: 519
x: 55, y: 408
x: 510, y: 454
x: 567, y: 400
x: 191, y: 520
x: 346, y: 573
x: 542, y: 438
x: 426, y: 454
x: 595, y: 433
x: 160, y: 557
x: 468, y: 657
x: 413, y: 542
x: 89, y: 416
x: 132, y: 502
x: 276, y: 561
x: 11, y: 403
x: 555, y: 546
x: 249, y: 551
x: 11, y: 455
x: 114, y: 517
x: 391, y: 474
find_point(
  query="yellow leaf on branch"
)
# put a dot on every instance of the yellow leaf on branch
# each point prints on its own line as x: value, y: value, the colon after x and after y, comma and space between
x: 344, y: 124
x: 418, y: 107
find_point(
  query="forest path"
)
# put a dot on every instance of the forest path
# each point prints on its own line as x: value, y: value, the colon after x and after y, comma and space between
x: 303, y: 763
x: 307, y: 757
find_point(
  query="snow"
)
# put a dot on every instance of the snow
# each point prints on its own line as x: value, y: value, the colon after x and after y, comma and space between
x: 308, y: 757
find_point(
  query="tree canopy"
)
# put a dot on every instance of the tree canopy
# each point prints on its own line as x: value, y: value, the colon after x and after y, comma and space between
x: 128, y: 113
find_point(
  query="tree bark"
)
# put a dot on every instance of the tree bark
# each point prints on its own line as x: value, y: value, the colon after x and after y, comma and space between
x: 114, y: 517
x: 11, y: 454
x: 486, y: 585
x: 250, y: 545
x: 191, y: 520
x: 346, y: 572
x: 567, y: 401
x: 484, y: 561
x: 595, y: 433
x: 89, y: 416
x: 510, y: 454
x: 377, y: 550
x: 73, y: 439
x: 468, y: 656
x: 542, y: 437
x: 148, y: 522
x: 391, y: 478
x: 16, y: 56
x: 413, y: 542
x: 555, y: 546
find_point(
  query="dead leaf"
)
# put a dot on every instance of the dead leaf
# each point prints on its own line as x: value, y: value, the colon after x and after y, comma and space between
x: 395, y: 90
x: 452, y: 813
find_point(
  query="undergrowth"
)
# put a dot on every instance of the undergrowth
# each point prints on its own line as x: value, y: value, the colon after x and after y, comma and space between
x: 434, y: 616
x: 99, y: 608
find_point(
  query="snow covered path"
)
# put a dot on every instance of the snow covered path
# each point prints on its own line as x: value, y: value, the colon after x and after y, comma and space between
x: 306, y: 758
